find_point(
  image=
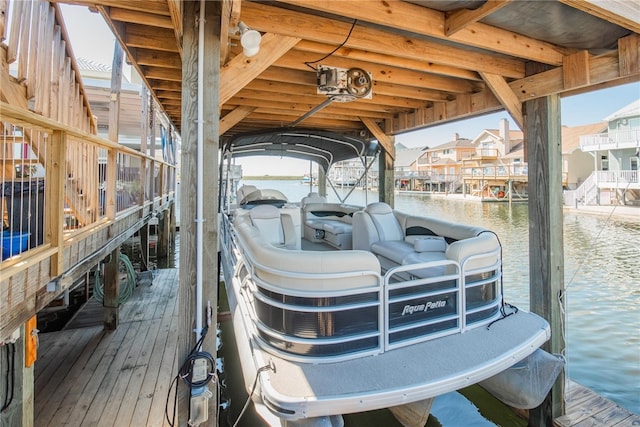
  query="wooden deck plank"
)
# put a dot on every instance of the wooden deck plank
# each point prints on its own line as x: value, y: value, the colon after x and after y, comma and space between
x: 50, y: 345
x: 93, y: 380
x: 585, y: 408
x: 61, y: 368
x: 147, y: 391
x: 168, y: 370
x: 76, y: 388
x: 159, y: 301
x: 117, y: 378
x: 116, y: 399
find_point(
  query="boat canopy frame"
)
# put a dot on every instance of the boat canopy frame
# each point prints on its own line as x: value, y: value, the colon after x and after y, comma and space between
x: 320, y: 146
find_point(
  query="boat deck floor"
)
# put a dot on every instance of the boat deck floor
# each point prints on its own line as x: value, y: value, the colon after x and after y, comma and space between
x: 421, y: 371
x: 91, y: 377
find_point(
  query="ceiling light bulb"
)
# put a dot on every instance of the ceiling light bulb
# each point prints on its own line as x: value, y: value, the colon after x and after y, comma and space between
x: 249, y: 39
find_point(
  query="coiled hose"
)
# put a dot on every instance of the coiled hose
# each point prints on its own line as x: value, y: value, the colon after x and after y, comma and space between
x: 126, y: 289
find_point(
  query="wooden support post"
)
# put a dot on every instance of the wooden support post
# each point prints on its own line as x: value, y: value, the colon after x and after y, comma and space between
x: 386, y: 179
x: 188, y: 245
x: 546, y: 244
x: 116, y: 85
x: 20, y: 411
x: 163, y: 236
x: 55, y: 196
x: 144, y: 247
x: 144, y: 135
x: 111, y: 291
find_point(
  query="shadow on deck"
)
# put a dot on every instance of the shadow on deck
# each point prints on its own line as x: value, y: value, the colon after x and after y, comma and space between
x: 91, y: 377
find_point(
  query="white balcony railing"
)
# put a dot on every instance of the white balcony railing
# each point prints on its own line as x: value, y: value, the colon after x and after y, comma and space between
x: 629, y: 138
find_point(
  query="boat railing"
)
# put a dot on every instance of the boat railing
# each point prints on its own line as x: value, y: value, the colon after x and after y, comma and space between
x: 304, y: 316
x: 433, y: 299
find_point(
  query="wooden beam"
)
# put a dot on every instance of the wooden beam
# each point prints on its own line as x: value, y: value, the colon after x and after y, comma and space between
x: 603, y: 69
x: 230, y: 16
x: 506, y: 96
x: 382, y: 104
x: 148, y: 6
x: 320, y: 49
x: 139, y: 17
x: 386, y: 141
x: 156, y: 58
x: 629, y: 55
x: 624, y: 13
x: 160, y: 73
x: 234, y: 117
x: 175, y: 11
x: 463, y: 18
x: 147, y: 37
x: 380, y: 73
x: 241, y: 70
x: 575, y: 70
x: 417, y: 19
x: 276, y: 20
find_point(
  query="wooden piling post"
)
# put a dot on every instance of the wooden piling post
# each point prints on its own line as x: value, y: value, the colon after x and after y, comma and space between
x: 546, y: 244
x: 188, y: 244
x: 111, y: 288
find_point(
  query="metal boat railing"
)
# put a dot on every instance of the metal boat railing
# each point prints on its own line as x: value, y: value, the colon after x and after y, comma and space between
x: 315, y: 325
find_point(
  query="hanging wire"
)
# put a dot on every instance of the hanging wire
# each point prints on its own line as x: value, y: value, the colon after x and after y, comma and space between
x: 309, y: 63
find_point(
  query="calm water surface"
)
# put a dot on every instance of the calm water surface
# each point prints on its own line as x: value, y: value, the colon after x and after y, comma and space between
x: 602, y: 279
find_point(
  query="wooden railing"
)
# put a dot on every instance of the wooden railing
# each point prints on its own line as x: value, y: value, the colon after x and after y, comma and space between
x: 66, y: 195
x: 39, y: 70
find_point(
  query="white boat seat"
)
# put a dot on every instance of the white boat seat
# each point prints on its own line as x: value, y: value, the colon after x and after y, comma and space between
x: 385, y: 221
x: 243, y: 191
x: 312, y: 197
x: 276, y: 228
x: 335, y: 226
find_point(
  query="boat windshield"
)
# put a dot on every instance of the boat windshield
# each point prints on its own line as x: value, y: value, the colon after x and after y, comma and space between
x: 264, y: 197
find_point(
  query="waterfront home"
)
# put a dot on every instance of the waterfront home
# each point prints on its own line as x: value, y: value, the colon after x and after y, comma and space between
x: 615, y: 155
x: 577, y: 165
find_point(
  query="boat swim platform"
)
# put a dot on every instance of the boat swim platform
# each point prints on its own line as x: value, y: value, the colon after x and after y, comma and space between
x: 85, y: 376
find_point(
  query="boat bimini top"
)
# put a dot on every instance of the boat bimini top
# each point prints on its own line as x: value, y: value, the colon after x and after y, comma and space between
x: 320, y: 146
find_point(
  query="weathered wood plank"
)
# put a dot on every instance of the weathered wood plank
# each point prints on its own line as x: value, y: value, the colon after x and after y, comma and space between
x: 50, y: 395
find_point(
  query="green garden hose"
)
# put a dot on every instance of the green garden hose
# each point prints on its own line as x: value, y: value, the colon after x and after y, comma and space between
x: 126, y: 288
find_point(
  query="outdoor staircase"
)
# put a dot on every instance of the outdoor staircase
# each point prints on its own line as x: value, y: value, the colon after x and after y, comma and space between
x: 586, y: 194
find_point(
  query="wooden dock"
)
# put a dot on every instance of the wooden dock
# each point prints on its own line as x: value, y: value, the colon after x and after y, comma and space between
x: 586, y: 408
x: 91, y: 377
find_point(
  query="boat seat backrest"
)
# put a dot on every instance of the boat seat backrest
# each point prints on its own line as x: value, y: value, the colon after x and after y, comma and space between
x: 244, y: 191
x: 312, y: 197
x: 385, y: 221
x: 276, y: 228
x: 266, y: 218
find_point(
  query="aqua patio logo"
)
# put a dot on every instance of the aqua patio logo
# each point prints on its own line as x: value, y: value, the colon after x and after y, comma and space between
x: 419, y: 308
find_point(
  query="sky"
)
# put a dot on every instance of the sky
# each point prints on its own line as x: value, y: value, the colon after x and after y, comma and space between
x: 576, y: 110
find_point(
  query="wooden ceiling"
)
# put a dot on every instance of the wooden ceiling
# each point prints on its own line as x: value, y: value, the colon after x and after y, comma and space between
x: 431, y: 61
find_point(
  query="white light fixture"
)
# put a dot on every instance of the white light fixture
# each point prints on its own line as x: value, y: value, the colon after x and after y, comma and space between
x: 249, y: 39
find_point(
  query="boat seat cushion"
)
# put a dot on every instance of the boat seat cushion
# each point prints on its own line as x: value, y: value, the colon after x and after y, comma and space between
x: 394, y: 250
x: 335, y: 226
x: 329, y: 223
x: 276, y: 228
x: 385, y: 221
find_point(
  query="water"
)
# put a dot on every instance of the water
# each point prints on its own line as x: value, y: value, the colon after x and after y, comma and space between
x: 602, y: 280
